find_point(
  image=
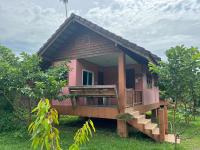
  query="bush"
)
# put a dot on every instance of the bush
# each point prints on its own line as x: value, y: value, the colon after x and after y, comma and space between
x: 9, y: 122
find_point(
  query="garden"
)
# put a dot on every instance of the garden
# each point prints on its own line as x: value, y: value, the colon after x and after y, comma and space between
x: 27, y: 120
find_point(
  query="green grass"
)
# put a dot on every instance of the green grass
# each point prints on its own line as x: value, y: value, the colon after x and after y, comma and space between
x: 105, y: 138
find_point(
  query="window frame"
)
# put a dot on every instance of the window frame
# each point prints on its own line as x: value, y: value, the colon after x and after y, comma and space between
x: 149, y: 77
x: 88, y: 71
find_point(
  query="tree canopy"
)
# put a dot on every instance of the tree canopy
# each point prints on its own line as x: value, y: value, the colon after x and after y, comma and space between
x: 23, y: 81
x: 179, y: 76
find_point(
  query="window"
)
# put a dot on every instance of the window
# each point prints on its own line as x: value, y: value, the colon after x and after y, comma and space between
x: 149, y: 81
x: 87, y: 77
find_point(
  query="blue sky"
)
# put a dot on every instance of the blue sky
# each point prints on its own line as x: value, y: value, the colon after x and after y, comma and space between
x: 153, y: 24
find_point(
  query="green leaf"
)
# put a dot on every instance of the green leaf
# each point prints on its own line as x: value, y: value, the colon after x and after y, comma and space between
x: 42, y: 130
x: 92, y: 124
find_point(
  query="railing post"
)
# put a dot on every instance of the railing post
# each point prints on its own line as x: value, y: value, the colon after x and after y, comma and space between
x: 161, y: 124
x: 154, y: 115
x: 133, y: 101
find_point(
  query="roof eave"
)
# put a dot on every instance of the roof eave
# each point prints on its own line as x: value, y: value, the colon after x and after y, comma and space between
x: 95, y: 28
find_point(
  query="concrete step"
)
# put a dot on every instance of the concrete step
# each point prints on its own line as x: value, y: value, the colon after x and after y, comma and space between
x: 129, y: 109
x: 171, y: 138
x: 156, y: 131
x: 139, y: 116
x: 144, y: 121
x: 151, y: 126
x: 133, y: 113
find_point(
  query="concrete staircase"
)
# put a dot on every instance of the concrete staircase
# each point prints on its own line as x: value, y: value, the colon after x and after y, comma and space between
x: 147, y: 127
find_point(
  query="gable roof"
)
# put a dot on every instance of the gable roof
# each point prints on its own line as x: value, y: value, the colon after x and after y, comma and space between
x: 121, y: 42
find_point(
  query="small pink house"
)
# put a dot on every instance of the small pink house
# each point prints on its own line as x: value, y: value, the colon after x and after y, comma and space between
x: 109, y: 75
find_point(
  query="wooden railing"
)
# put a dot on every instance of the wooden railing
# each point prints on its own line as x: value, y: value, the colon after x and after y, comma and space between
x: 138, y: 98
x: 103, y: 95
x: 98, y: 95
x: 133, y: 97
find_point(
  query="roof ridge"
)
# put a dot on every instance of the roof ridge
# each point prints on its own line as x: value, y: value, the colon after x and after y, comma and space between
x: 109, y: 32
x: 104, y: 32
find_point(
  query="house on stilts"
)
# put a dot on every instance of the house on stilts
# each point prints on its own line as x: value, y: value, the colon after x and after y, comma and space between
x: 110, y: 77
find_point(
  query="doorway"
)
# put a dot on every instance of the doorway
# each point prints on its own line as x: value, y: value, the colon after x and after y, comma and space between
x: 130, y: 86
x: 130, y: 78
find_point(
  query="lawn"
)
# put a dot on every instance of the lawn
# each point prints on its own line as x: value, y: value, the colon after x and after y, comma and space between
x: 105, y: 138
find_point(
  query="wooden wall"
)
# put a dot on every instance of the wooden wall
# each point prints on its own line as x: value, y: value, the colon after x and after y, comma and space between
x: 85, y: 43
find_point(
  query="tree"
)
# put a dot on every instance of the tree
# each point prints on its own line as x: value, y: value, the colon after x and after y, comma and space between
x: 65, y: 2
x: 22, y: 78
x: 9, y: 78
x: 179, y: 80
x: 179, y: 76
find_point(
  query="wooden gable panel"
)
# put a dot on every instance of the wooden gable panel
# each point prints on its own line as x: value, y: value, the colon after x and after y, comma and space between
x: 85, y: 44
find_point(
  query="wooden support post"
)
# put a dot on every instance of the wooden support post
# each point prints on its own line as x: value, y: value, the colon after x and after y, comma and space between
x: 161, y: 124
x: 166, y: 119
x: 122, y: 125
x: 154, y: 115
x: 122, y: 81
x: 122, y: 128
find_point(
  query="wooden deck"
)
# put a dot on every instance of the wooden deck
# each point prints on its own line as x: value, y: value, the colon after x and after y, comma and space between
x: 88, y: 111
x: 107, y: 112
x: 157, y: 131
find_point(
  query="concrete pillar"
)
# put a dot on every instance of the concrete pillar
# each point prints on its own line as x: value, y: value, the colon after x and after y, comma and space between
x: 122, y: 128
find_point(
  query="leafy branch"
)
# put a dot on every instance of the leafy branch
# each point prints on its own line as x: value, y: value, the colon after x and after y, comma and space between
x: 44, y: 134
x: 82, y: 135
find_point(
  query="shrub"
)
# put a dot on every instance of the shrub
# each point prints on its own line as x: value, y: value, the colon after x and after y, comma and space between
x: 9, y: 122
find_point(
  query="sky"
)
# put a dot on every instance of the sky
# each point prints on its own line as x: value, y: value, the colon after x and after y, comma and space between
x: 156, y: 25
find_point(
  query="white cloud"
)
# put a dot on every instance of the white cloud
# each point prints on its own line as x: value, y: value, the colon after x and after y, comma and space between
x: 153, y: 24
x: 25, y: 25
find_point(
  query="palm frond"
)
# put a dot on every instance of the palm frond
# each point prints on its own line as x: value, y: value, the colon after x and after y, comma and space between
x: 64, y: 1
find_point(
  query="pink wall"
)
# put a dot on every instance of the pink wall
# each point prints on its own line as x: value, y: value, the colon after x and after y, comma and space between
x: 111, y: 75
x: 150, y: 95
x: 72, y: 82
x: 73, y: 72
x: 84, y: 65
